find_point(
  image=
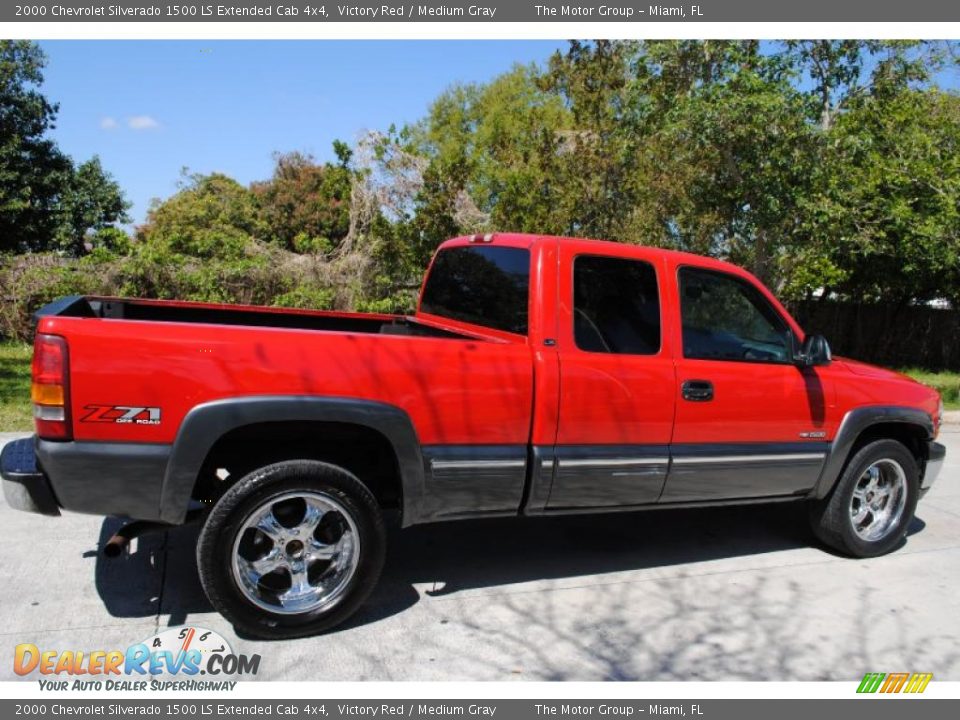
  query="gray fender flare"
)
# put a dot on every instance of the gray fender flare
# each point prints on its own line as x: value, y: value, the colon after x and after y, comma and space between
x: 207, y: 423
x: 852, y: 426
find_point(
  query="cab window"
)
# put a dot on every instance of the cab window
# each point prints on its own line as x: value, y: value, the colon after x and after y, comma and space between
x: 616, y: 306
x: 726, y: 318
x: 483, y: 285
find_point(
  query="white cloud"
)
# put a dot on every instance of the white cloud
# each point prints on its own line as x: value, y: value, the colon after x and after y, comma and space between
x: 142, y: 122
x: 108, y: 123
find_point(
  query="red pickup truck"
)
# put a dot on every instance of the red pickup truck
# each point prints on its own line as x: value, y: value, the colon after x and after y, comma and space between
x: 539, y: 376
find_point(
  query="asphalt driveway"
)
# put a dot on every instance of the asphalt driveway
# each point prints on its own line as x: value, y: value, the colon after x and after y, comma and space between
x: 735, y: 594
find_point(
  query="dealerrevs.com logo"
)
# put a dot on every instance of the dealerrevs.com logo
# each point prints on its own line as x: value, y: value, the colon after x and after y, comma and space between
x: 171, y: 660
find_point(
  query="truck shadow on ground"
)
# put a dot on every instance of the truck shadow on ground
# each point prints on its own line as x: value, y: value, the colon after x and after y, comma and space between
x: 158, y: 576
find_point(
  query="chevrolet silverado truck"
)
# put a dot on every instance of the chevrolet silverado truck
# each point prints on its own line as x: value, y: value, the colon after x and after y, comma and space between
x: 538, y: 376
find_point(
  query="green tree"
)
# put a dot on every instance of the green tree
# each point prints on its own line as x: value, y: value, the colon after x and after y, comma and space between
x: 90, y: 202
x: 493, y: 154
x: 212, y: 216
x: 725, y: 151
x: 885, y: 215
x: 834, y: 68
x: 33, y: 172
x: 597, y: 160
x: 306, y: 205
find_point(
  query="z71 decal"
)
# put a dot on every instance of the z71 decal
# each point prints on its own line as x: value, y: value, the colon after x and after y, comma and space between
x: 122, y: 414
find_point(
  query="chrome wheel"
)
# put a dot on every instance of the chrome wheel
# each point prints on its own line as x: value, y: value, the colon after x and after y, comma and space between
x: 878, y: 500
x: 296, y: 553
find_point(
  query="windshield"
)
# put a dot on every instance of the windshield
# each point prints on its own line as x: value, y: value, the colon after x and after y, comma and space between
x: 482, y: 285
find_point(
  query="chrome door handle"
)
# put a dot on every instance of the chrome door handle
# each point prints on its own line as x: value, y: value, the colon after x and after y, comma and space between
x: 697, y: 390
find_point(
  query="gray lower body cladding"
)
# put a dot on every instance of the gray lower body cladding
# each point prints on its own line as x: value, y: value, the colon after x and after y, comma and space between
x: 936, y: 454
x: 105, y: 478
x: 127, y: 479
x: 471, y: 480
x: 701, y: 473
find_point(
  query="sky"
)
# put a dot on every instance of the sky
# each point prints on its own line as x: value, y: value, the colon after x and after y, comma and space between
x: 151, y: 108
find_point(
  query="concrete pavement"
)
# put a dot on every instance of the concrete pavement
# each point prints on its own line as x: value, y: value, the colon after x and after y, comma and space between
x: 724, y: 594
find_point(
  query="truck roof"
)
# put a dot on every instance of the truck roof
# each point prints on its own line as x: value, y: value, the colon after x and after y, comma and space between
x: 529, y: 240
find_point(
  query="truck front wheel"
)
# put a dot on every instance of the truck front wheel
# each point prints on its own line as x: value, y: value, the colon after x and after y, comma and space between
x: 292, y: 549
x: 871, y: 506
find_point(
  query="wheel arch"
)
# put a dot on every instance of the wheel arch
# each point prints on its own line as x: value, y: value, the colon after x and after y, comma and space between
x: 910, y: 426
x: 293, y: 425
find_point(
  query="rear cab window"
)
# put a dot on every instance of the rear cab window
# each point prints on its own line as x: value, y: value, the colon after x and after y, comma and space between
x: 616, y: 305
x: 481, y: 285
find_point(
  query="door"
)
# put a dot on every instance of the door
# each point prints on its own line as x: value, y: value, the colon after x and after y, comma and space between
x: 749, y: 422
x: 617, y: 390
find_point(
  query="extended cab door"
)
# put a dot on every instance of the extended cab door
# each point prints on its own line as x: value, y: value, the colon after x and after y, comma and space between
x: 749, y: 422
x: 617, y: 385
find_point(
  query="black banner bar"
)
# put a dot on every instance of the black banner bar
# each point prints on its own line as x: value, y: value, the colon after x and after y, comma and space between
x: 313, y: 11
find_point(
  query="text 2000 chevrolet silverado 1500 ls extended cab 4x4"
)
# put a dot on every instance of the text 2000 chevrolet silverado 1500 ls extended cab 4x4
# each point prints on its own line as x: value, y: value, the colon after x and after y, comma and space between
x: 539, y: 376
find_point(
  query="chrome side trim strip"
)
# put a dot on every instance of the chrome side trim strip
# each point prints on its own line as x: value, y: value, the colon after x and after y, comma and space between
x: 707, y: 460
x: 611, y: 462
x: 639, y: 472
x: 478, y: 464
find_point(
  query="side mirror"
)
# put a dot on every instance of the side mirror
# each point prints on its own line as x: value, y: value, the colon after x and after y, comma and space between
x: 814, y: 351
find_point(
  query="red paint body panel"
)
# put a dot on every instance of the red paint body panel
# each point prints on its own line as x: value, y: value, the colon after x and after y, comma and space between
x: 757, y: 403
x: 491, y: 388
x: 610, y: 399
x: 455, y: 391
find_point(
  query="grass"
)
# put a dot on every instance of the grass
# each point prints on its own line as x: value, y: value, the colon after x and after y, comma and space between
x: 16, y: 413
x: 947, y: 383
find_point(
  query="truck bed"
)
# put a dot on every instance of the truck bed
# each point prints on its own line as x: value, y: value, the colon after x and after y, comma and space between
x: 241, y: 315
x: 457, y: 387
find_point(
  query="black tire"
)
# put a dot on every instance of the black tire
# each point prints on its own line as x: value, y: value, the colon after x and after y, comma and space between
x: 831, y: 518
x: 216, y: 543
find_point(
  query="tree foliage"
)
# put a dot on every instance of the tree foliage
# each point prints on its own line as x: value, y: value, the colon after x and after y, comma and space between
x: 829, y: 168
x: 305, y: 205
x: 91, y: 202
x: 32, y: 170
x: 211, y: 216
x: 824, y: 166
x: 45, y: 202
x: 885, y: 210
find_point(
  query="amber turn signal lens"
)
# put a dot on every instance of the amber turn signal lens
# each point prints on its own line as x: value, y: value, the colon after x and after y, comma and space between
x: 47, y: 394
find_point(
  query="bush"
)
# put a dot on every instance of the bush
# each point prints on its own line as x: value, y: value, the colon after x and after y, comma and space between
x: 263, y: 275
x: 305, y: 297
x: 28, y: 282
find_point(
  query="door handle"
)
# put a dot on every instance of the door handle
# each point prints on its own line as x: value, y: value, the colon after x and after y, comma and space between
x: 697, y: 390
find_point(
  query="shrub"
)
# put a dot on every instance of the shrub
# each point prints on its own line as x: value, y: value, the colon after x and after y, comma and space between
x: 28, y: 282
x: 263, y: 275
x: 306, y: 297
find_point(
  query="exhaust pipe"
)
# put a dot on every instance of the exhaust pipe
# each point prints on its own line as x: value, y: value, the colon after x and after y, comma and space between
x: 120, y: 540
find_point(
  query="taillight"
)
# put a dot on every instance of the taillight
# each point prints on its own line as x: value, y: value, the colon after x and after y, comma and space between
x: 50, y: 390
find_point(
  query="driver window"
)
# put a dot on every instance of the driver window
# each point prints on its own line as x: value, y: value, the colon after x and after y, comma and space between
x: 726, y: 318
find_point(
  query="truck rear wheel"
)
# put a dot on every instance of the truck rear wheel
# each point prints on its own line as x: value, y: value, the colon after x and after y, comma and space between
x: 292, y: 549
x: 873, y: 502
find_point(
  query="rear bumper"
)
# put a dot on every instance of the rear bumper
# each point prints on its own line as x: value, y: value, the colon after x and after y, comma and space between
x: 123, y: 479
x: 25, y: 487
x: 935, y: 457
